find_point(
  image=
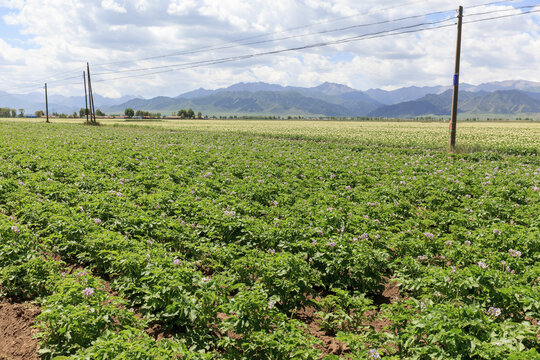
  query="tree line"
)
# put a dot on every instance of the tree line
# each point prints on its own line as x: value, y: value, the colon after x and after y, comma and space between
x: 8, y: 112
x: 188, y: 114
x: 183, y: 114
x: 129, y: 112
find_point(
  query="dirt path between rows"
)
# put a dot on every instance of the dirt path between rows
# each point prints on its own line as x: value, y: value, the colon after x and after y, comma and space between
x: 16, y: 320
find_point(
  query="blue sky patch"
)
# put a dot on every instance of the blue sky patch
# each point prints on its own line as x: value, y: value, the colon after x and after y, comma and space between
x: 12, y: 34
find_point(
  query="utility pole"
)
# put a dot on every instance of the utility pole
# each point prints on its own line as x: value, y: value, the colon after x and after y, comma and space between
x: 453, y: 120
x: 46, y: 103
x: 91, y: 99
x: 85, y: 96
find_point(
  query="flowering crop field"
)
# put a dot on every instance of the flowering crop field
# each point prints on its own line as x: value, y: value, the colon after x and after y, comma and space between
x: 301, y: 240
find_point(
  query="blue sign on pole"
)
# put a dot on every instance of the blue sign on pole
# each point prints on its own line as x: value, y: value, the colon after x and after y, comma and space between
x: 456, y: 79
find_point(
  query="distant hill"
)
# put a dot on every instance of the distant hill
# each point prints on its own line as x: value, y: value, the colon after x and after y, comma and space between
x: 242, y: 102
x: 327, y: 99
x: 259, y: 98
x: 521, y: 85
x: 57, y: 103
x: 408, y: 109
x: 404, y: 94
x: 414, y: 92
x: 502, y: 102
x: 498, y: 102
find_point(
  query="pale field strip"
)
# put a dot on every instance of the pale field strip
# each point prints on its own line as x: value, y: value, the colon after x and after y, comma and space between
x: 472, y: 135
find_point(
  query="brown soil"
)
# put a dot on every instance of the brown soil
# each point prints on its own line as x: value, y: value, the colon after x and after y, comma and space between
x: 390, y: 295
x: 330, y: 345
x: 391, y: 291
x: 16, y: 331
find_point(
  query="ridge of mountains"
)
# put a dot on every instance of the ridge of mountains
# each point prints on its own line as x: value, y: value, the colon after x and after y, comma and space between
x: 327, y: 99
x: 502, y: 102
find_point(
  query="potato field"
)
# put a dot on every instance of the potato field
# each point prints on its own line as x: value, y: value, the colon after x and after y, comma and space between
x: 273, y: 240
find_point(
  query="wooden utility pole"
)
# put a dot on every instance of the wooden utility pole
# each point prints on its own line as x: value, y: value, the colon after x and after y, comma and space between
x: 453, y: 120
x: 85, y: 96
x: 46, y: 103
x: 91, y: 98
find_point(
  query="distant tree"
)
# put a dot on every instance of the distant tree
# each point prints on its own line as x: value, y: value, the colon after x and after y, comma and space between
x: 39, y: 113
x: 147, y: 114
x: 13, y: 113
x: 5, y: 112
x: 199, y: 115
x: 99, y: 113
x: 129, y: 112
x: 182, y: 113
x: 75, y: 114
x: 21, y: 112
x: 190, y: 114
x: 82, y: 112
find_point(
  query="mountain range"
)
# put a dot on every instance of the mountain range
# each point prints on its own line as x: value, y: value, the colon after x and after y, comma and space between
x: 328, y: 99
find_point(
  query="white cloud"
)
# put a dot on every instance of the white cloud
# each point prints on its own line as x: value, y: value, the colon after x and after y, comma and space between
x: 141, y: 5
x: 113, y: 6
x: 64, y: 35
x: 181, y: 7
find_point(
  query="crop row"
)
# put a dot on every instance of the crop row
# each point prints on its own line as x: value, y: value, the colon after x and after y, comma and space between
x: 221, y: 243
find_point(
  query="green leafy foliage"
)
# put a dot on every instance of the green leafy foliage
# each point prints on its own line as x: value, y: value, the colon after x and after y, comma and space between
x: 222, y: 242
x: 77, y: 313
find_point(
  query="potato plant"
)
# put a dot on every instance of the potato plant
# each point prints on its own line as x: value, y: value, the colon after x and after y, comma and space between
x: 154, y: 244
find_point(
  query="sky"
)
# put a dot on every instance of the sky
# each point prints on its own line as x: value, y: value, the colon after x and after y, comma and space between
x: 167, y: 47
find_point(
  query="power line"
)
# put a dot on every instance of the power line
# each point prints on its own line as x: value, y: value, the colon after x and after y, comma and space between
x: 501, y: 17
x: 29, y: 90
x: 34, y: 84
x: 258, y: 42
x: 207, y: 48
x: 235, y: 42
x: 242, y: 39
x: 188, y: 52
x: 217, y: 61
x: 196, y: 62
x: 245, y: 57
x: 382, y: 34
x: 499, y: 11
x: 491, y: 3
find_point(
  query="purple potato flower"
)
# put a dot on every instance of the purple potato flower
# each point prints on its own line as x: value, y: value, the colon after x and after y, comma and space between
x: 374, y: 354
x: 493, y: 311
x: 515, y: 253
